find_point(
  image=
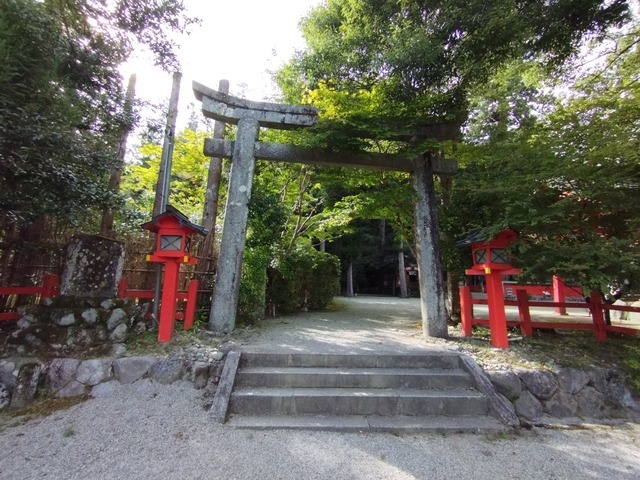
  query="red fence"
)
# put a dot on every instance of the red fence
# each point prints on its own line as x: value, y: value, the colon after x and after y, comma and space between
x: 50, y: 288
x: 595, y: 306
x: 190, y: 296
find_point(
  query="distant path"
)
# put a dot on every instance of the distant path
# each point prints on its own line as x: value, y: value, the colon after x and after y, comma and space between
x: 360, y: 324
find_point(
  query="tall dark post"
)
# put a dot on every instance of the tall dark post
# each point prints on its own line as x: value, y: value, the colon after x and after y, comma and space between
x: 402, y: 274
x: 164, y: 175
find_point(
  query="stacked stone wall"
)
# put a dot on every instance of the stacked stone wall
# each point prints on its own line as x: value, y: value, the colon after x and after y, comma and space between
x: 594, y: 393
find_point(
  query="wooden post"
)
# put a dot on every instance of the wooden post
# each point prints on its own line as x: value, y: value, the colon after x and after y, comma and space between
x: 224, y: 303
x: 599, y: 325
x: 169, y: 296
x: 192, y: 298
x: 122, y: 287
x: 164, y: 174
x: 432, y: 298
x: 466, y: 311
x: 558, y: 294
x: 523, y: 310
x: 497, y: 317
x: 49, y: 284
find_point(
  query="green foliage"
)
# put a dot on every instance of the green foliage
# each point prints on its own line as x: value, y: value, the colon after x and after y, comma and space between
x: 425, y: 56
x: 303, y: 278
x: 61, y: 98
x: 566, y: 181
x: 251, y: 299
x: 188, y: 176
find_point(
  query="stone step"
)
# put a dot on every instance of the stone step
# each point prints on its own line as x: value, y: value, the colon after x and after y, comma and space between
x: 442, y: 360
x: 354, y: 401
x: 370, y: 423
x: 324, y: 377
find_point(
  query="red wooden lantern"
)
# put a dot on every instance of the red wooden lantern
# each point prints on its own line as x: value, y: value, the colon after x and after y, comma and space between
x: 493, y: 254
x: 493, y: 260
x: 173, y: 247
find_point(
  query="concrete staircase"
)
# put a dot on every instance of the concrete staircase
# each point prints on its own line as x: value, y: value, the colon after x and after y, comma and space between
x: 356, y: 392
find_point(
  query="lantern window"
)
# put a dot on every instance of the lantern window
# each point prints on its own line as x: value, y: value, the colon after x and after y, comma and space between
x: 480, y: 256
x: 171, y: 243
x: 499, y: 255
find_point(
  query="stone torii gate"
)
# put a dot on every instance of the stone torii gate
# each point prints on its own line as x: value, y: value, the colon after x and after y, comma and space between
x: 249, y: 116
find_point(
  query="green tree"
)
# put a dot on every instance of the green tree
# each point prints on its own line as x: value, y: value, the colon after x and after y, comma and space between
x: 61, y: 98
x: 188, y: 176
x: 568, y: 182
x: 379, y: 69
x: 424, y: 56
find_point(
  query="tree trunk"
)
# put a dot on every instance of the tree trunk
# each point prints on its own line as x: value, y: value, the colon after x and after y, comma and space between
x: 210, y: 214
x: 106, y: 225
x: 453, y: 291
x: 350, y: 280
x: 402, y: 275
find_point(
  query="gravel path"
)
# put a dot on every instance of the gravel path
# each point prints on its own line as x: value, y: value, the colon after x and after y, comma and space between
x: 152, y: 431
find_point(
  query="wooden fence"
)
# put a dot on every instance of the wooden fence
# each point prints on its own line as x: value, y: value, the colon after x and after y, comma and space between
x: 595, y: 305
x: 48, y: 289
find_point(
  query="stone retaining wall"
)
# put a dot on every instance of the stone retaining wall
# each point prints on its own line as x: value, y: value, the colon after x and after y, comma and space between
x: 66, y: 326
x: 21, y: 379
x: 595, y: 393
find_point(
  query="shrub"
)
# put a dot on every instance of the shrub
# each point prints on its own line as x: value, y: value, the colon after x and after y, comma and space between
x: 251, y: 299
x: 302, y: 279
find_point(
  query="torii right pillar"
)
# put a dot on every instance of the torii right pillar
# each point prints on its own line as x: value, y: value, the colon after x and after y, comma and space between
x: 432, y: 295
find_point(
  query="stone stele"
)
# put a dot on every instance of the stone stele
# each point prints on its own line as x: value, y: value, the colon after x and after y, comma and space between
x: 93, y: 267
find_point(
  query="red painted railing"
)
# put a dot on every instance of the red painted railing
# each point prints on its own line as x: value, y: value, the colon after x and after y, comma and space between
x: 595, y: 306
x: 48, y: 289
x: 190, y: 295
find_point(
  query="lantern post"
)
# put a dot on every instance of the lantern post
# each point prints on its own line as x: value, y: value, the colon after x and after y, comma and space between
x: 493, y: 260
x: 173, y: 248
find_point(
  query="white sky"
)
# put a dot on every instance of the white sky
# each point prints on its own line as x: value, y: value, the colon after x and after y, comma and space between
x: 238, y: 40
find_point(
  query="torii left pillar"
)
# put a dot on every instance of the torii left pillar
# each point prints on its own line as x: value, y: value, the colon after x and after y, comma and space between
x: 249, y: 116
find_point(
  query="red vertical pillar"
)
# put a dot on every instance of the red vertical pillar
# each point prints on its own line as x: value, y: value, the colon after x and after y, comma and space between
x: 168, y: 302
x: 466, y: 311
x: 497, y: 317
x: 49, y: 284
x: 123, y: 285
x: 523, y: 311
x: 190, y: 311
x: 558, y: 294
x: 599, y: 325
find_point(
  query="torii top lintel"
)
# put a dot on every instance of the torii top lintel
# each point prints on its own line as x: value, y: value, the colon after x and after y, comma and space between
x: 230, y: 109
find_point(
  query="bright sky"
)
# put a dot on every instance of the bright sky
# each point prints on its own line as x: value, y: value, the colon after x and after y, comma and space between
x: 238, y: 40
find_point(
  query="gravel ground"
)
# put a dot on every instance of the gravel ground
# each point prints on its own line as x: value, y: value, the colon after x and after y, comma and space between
x: 152, y: 431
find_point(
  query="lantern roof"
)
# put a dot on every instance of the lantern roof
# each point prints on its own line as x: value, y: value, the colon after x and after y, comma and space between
x: 172, y: 212
x: 504, y: 238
